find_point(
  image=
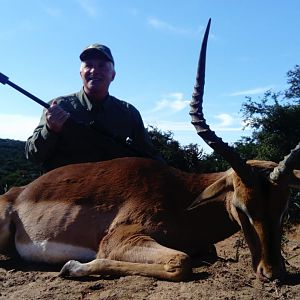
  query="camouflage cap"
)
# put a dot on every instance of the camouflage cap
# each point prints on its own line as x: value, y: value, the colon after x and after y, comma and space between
x: 96, y: 50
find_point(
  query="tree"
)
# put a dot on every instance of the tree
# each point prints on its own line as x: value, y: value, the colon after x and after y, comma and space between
x: 293, y: 92
x: 186, y: 158
x: 275, y: 120
x: 15, y: 169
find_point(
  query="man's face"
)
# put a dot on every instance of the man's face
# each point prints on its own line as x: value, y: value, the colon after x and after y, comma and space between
x: 96, y: 74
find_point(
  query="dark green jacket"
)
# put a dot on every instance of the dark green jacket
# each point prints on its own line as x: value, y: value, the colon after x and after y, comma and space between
x: 93, y: 133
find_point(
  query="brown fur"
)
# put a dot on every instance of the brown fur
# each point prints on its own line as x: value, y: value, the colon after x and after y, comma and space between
x: 134, y: 211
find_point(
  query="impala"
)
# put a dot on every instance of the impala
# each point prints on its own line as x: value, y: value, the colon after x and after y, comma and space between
x: 138, y: 216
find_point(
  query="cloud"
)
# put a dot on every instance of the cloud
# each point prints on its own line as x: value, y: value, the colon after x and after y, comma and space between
x: 172, y: 102
x: 254, y: 91
x: 17, y: 127
x: 161, y: 116
x: 185, y: 133
x: 229, y: 123
x: 89, y: 7
x: 164, y: 26
x: 226, y: 123
x: 225, y: 119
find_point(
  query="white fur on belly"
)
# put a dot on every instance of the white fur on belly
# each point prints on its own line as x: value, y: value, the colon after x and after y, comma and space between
x: 52, y: 252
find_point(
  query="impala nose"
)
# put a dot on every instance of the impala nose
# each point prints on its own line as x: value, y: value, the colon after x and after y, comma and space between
x: 266, y: 272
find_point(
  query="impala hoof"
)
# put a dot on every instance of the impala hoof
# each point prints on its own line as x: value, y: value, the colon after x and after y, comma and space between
x: 70, y: 269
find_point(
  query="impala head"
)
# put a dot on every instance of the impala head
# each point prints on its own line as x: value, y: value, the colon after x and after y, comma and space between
x: 259, y: 210
x: 257, y: 192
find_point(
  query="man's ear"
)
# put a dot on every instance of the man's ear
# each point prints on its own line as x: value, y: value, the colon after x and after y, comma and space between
x: 113, y: 75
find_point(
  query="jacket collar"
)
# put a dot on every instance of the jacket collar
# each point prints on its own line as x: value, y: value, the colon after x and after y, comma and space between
x: 89, y: 104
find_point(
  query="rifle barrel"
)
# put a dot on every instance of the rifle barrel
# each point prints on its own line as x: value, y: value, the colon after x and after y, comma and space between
x: 4, y: 79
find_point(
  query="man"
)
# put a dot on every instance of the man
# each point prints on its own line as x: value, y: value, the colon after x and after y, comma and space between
x: 90, y: 125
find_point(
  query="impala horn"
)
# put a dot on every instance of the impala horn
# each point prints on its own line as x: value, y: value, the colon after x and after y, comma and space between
x: 286, y: 166
x: 239, y: 165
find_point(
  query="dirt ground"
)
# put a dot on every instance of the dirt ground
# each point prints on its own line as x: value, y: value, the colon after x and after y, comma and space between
x: 230, y: 277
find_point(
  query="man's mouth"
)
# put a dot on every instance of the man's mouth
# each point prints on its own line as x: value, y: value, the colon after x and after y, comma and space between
x: 94, y: 79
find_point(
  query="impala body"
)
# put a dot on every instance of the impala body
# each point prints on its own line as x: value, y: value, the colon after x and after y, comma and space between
x: 139, y: 216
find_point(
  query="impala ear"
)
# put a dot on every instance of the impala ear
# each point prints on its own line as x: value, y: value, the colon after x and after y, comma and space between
x: 295, y: 179
x: 213, y: 191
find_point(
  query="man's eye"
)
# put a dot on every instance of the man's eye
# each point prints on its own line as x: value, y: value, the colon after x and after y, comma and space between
x: 101, y: 65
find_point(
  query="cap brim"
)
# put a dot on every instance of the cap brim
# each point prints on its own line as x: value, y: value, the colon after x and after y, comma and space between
x: 93, y: 53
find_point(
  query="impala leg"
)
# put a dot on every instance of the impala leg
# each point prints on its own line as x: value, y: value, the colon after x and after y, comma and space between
x: 6, y: 234
x: 140, y: 255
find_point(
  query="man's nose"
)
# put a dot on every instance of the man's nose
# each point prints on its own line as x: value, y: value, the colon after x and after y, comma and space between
x: 95, y: 70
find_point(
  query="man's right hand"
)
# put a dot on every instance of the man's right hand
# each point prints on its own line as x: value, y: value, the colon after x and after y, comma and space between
x: 56, y: 117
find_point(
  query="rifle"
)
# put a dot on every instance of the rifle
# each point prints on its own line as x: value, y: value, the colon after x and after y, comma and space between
x: 127, y: 144
x: 5, y: 80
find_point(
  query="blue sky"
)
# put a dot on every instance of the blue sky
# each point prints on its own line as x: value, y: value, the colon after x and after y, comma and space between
x: 155, y: 45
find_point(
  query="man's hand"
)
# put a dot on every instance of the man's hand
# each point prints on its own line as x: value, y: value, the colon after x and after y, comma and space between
x: 56, y: 117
